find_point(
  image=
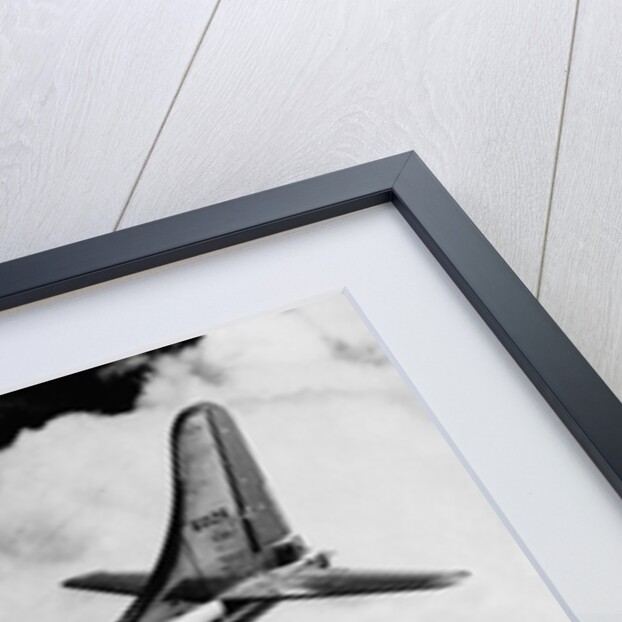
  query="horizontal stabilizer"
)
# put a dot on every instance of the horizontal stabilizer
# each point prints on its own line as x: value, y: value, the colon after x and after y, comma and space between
x: 130, y: 583
x: 329, y: 582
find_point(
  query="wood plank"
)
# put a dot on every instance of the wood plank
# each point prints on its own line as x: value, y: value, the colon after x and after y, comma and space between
x: 582, y: 276
x: 84, y: 87
x: 279, y: 92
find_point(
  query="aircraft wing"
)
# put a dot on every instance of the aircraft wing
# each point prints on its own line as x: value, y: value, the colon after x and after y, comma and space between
x: 128, y: 583
x: 316, y: 582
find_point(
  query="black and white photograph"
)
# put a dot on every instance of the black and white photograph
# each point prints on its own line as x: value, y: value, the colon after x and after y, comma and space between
x: 278, y: 468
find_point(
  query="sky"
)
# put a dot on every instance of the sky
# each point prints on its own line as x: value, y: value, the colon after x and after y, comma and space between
x: 351, y: 455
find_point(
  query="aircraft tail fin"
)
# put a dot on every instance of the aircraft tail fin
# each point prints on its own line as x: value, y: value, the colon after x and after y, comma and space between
x: 224, y: 524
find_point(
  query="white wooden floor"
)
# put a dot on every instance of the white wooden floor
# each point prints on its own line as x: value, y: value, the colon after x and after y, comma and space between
x: 112, y: 114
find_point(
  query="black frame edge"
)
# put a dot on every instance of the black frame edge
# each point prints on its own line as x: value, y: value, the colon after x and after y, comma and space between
x: 584, y: 403
x: 88, y: 262
x: 569, y: 384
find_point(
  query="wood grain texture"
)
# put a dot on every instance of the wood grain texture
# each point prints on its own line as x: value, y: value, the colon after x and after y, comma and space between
x: 582, y: 275
x: 279, y: 92
x: 84, y: 87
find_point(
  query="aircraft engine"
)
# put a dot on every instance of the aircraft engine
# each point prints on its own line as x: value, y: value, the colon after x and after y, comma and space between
x: 210, y: 612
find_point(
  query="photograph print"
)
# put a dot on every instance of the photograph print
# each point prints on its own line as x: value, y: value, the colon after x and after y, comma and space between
x: 278, y: 468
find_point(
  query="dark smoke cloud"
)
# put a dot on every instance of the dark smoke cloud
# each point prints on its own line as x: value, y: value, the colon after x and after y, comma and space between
x: 106, y: 390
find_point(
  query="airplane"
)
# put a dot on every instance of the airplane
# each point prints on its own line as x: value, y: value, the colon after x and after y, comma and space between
x: 229, y: 554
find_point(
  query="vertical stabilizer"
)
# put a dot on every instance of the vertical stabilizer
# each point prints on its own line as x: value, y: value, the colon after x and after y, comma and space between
x: 223, y: 523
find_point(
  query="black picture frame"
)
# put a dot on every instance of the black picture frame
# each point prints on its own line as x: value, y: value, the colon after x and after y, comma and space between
x: 572, y: 388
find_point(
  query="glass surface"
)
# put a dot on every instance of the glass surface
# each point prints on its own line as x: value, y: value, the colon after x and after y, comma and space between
x: 546, y: 489
x: 351, y: 455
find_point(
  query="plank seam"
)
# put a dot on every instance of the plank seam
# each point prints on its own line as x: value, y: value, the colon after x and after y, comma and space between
x: 547, y: 218
x: 166, y: 116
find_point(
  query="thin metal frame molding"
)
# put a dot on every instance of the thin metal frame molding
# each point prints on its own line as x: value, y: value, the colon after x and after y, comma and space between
x: 581, y: 399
